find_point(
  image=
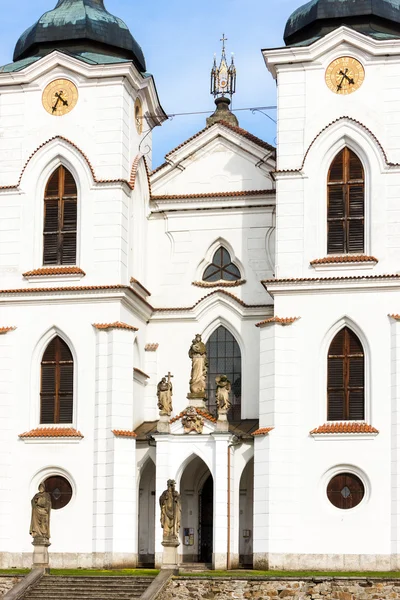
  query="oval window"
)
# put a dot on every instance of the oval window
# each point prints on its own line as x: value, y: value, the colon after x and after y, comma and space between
x: 60, y: 491
x: 345, y: 490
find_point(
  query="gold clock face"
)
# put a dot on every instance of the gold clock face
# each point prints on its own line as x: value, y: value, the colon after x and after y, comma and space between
x: 60, y: 97
x: 344, y: 75
x: 138, y: 116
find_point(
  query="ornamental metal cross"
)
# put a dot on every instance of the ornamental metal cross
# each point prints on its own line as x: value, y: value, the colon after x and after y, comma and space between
x: 223, y: 40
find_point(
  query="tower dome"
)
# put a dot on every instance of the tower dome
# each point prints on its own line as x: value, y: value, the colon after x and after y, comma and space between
x: 80, y: 26
x: 375, y: 18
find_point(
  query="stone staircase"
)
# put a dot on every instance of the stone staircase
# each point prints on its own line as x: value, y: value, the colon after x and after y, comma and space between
x: 89, y: 588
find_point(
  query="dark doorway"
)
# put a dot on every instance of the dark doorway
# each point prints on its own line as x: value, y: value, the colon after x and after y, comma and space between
x: 206, y: 511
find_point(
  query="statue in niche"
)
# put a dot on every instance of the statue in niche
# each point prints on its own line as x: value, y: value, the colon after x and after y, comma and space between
x: 223, y: 390
x: 170, y: 504
x: 198, y: 355
x: 40, y: 520
x: 192, y: 421
x: 164, y: 395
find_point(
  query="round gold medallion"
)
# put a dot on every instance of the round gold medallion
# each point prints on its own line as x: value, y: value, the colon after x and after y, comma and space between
x: 138, y: 116
x: 60, y: 97
x: 344, y: 75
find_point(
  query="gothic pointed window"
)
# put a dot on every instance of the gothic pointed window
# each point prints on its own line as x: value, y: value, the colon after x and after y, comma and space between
x: 221, y: 268
x: 346, y: 385
x: 57, y: 383
x: 60, y: 219
x: 346, y: 204
x: 224, y: 358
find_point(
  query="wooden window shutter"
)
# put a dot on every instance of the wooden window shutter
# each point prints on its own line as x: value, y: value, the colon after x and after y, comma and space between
x: 60, y: 219
x: 346, y: 204
x: 57, y: 382
x: 346, y: 387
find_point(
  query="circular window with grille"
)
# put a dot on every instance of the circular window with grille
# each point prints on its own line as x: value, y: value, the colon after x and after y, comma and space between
x: 60, y: 491
x: 345, y: 490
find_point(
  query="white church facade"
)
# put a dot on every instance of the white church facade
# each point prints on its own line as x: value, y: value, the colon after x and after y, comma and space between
x: 284, y: 260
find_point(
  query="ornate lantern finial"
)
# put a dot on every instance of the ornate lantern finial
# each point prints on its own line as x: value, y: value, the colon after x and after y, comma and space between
x: 223, y: 78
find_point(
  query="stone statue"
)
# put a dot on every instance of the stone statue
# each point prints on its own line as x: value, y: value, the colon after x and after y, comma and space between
x: 170, y: 504
x: 164, y: 394
x: 198, y: 354
x: 40, y: 521
x: 222, y: 394
x: 192, y: 421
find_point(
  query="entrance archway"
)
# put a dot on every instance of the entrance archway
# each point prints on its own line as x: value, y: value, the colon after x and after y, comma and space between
x: 197, y: 491
x: 146, y: 523
x: 246, y: 515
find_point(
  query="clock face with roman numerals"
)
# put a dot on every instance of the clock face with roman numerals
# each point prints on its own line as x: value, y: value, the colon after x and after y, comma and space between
x: 344, y: 75
x: 60, y: 97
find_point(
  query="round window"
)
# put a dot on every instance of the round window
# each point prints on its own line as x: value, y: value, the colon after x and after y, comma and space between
x: 60, y: 491
x: 345, y: 490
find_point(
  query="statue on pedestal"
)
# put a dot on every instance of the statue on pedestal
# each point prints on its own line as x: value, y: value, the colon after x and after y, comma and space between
x: 198, y: 355
x: 40, y: 520
x: 170, y: 504
x: 222, y: 394
x: 164, y: 395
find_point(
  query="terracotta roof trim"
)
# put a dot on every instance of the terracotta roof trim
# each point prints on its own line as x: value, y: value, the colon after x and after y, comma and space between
x: 48, y: 271
x: 224, y: 292
x: 140, y: 372
x: 345, y: 258
x: 328, y: 279
x: 116, y: 325
x: 151, y: 347
x: 342, y: 428
x: 220, y: 283
x: 240, y: 194
x: 4, y: 330
x: 200, y: 412
x: 124, y: 434
x: 262, y: 431
x: 284, y: 321
x: 51, y: 432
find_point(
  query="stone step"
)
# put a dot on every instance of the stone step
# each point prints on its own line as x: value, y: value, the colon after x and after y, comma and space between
x: 89, y: 588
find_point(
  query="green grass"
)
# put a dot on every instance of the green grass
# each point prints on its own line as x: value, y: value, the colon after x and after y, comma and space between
x: 14, y: 571
x: 299, y: 574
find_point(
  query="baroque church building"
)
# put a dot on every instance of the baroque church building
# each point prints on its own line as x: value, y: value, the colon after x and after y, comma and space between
x: 284, y: 262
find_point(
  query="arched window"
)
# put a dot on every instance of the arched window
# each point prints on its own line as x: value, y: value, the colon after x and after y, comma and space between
x: 346, y: 204
x: 60, y: 219
x: 224, y: 358
x: 57, y: 383
x: 222, y: 268
x: 346, y: 377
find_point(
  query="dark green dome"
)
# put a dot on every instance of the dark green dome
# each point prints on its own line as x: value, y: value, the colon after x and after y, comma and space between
x: 80, y: 26
x: 376, y: 18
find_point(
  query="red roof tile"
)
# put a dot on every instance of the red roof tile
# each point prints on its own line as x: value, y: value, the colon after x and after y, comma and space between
x: 263, y: 431
x: 212, y: 284
x: 54, y: 271
x: 322, y: 279
x: 348, y: 427
x: 346, y: 258
x: 52, y: 432
x: 151, y: 347
x: 116, y: 325
x: 200, y: 412
x: 4, y: 330
x: 224, y: 292
x: 238, y: 194
x: 280, y: 321
x: 395, y: 317
x: 140, y: 372
x: 126, y: 434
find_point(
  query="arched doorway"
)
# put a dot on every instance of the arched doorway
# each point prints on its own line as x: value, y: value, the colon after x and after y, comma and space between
x: 197, y: 494
x: 246, y: 515
x: 146, y: 531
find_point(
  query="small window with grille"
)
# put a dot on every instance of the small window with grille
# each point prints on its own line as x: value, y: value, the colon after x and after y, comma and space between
x: 346, y: 204
x: 57, y: 384
x: 345, y: 491
x: 222, y: 268
x: 60, y: 219
x: 60, y: 491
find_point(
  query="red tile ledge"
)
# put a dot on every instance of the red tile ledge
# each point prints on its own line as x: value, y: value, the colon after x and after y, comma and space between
x: 116, y: 325
x: 262, y: 431
x: 345, y: 258
x: 151, y: 347
x: 4, y: 330
x: 279, y: 321
x: 124, y: 434
x: 215, y: 284
x: 344, y: 428
x: 51, y: 432
x: 49, y: 271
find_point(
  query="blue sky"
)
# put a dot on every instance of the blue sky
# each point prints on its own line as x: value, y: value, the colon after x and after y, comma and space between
x: 179, y: 38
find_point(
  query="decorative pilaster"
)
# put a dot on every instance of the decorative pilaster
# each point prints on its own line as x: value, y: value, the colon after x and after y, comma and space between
x: 221, y: 441
x: 395, y: 441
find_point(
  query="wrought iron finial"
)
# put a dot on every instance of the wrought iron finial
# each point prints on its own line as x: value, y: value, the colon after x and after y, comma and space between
x: 223, y: 78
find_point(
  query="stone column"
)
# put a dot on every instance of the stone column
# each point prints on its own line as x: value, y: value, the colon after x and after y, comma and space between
x: 220, y: 477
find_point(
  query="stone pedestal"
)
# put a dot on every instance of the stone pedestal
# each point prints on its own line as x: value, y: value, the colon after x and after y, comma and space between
x: 222, y: 423
x: 170, y: 555
x: 197, y: 400
x: 163, y: 424
x: 40, y: 553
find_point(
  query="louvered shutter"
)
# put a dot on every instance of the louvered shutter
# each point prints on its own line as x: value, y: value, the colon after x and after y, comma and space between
x: 57, y: 380
x: 336, y: 391
x: 346, y: 204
